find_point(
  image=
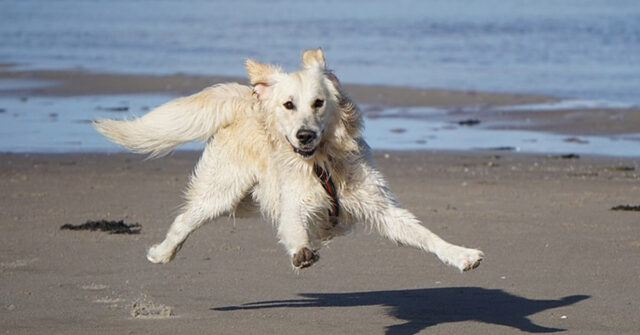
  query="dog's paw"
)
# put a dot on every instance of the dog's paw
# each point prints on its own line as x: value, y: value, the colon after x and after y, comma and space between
x: 160, y: 255
x: 304, y: 258
x: 470, y: 259
x: 463, y: 258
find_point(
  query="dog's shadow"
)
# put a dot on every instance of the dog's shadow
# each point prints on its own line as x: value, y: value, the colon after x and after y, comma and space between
x: 423, y: 308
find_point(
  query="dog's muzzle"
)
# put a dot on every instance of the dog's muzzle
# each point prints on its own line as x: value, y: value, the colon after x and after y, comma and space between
x: 306, y: 138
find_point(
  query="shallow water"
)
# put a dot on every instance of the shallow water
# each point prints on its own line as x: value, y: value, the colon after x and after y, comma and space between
x: 419, y: 133
x: 63, y: 124
x: 588, y: 49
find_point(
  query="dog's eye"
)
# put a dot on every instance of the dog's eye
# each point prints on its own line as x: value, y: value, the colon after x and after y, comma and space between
x: 288, y: 105
x: 318, y: 103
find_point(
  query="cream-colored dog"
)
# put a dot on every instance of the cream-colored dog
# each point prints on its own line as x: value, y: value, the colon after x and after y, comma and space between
x: 292, y: 143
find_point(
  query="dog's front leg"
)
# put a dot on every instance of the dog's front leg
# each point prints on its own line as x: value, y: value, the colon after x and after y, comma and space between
x: 216, y: 187
x: 292, y: 231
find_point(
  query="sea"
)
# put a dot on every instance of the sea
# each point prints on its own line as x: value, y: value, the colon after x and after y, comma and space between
x: 579, y: 50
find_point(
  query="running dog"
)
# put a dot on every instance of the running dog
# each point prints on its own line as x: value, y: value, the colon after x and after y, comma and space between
x: 292, y: 143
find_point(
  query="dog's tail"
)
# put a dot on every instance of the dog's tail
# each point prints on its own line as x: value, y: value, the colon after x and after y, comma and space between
x: 186, y: 119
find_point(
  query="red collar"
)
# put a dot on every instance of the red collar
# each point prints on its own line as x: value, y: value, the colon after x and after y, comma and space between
x: 329, y: 187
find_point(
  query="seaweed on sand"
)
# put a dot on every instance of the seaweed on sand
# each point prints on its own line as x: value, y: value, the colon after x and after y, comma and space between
x: 112, y: 227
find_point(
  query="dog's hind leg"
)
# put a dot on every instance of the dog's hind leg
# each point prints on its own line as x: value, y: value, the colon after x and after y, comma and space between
x: 216, y: 187
x: 401, y: 226
x: 374, y: 203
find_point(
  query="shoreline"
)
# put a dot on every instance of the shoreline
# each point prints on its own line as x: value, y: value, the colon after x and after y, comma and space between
x: 446, y: 109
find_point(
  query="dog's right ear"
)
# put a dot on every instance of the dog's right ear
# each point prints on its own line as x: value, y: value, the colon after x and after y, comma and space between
x: 313, y: 58
x: 260, y: 76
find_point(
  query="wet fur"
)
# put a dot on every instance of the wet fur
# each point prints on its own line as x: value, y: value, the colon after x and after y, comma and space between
x: 252, y: 152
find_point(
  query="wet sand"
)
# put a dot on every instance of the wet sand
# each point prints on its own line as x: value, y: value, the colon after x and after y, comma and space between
x: 80, y: 82
x: 490, y: 108
x: 557, y: 256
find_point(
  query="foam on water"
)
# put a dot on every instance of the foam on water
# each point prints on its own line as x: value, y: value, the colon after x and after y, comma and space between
x: 567, y: 104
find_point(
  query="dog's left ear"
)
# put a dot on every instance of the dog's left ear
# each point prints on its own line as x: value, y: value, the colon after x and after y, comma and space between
x: 313, y: 58
x: 260, y: 76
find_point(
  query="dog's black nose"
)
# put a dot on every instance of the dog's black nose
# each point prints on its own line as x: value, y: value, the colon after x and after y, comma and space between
x: 305, y: 136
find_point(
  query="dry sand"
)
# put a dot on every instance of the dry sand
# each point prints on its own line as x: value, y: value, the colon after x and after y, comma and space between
x: 557, y: 256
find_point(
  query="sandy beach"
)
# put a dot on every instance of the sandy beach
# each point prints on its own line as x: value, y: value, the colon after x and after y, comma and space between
x: 508, y: 126
x: 558, y: 258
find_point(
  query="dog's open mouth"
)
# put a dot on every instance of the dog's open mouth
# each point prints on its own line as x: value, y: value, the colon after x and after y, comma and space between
x: 304, y: 152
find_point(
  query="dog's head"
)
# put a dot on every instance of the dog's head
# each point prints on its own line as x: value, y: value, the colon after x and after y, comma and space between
x: 301, y: 105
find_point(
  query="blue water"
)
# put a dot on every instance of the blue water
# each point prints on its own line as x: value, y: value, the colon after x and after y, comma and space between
x: 572, y: 48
